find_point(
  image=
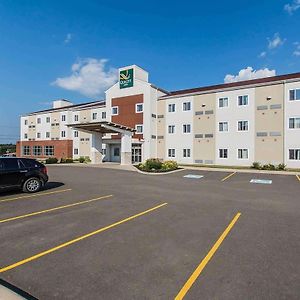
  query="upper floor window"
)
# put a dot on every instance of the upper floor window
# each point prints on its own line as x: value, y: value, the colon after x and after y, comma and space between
x: 294, y: 123
x: 294, y: 154
x: 171, y: 128
x: 223, y: 126
x: 39, y: 120
x: 243, y: 125
x: 63, y: 118
x: 38, y: 135
x: 295, y: 95
x: 103, y: 115
x: 75, y: 133
x: 48, y: 120
x: 243, y: 100
x: 186, y: 128
x: 76, y: 118
x: 63, y: 134
x: 25, y: 122
x: 47, y: 135
x: 25, y: 135
x: 171, y: 107
x: 139, y: 128
x: 223, y: 102
x: 115, y: 110
x: 139, y: 108
x: 94, y: 116
x: 186, y: 106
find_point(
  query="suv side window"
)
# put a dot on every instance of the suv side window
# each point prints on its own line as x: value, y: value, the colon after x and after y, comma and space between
x: 10, y: 164
x: 1, y: 165
x: 30, y: 163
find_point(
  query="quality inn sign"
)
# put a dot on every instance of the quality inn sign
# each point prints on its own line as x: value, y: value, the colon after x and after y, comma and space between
x: 126, y: 78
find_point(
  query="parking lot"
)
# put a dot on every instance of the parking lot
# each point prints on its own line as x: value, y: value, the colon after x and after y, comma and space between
x: 98, y: 233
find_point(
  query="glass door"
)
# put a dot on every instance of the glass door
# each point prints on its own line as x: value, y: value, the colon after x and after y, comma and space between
x: 136, y: 154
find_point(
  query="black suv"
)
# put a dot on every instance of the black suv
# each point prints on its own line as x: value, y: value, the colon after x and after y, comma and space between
x: 23, y: 173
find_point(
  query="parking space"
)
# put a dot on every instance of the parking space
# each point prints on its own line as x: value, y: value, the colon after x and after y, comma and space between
x: 114, y: 234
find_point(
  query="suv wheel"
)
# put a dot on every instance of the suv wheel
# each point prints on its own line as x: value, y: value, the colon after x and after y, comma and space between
x: 32, y: 185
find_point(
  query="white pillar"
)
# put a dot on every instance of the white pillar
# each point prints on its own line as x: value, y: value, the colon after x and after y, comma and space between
x: 126, y: 140
x: 96, y: 150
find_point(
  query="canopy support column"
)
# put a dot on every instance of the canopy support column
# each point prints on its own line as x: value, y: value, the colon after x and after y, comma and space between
x: 126, y: 141
x: 96, y: 150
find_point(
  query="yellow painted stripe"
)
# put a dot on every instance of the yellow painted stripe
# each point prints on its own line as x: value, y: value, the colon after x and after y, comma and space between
x: 227, y: 177
x: 206, y: 259
x: 34, y: 195
x: 53, y: 209
x: 298, y: 176
x: 24, y: 261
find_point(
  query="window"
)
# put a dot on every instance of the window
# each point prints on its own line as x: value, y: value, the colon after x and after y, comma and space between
x: 139, y: 129
x: 243, y: 154
x: 47, y: 135
x: 38, y: 135
x: 25, y: 135
x: 25, y: 122
x: 26, y: 150
x: 75, y: 133
x: 171, y: 152
x: 294, y: 154
x: 171, y: 129
x: 186, y: 106
x: 223, y: 102
x: 39, y: 120
x: 186, y: 128
x: 49, y: 150
x: 76, y: 151
x: 48, y: 120
x: 104, y: 115
x: 243, y: 100
x: 37, y: 150
x: 223, y: 153
x: 94, y: 116
x: 186, y: 152
x: 294, y: 123
x: 10, y: 164
x: 63, y: 134
x: 294, y: 95
x: 139, y: 108
x: 171, y: 107
x: 63, y: 118
x: 116, y: 151
x: 115, y: 110
x: 223, y: 126
x: 243, y: 125
x: 76, y: 118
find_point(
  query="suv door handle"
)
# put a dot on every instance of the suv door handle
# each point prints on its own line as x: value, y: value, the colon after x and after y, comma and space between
x: 23, y: 171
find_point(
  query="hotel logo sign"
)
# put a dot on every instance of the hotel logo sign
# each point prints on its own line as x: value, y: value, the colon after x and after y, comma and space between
x: 126, y: 78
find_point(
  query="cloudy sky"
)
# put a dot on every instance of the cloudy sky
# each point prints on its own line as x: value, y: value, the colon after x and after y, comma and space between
x: 72, y: 49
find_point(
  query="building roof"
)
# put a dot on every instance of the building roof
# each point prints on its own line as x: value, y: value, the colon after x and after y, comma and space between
x: 101, y: 127
x: 233, y: 85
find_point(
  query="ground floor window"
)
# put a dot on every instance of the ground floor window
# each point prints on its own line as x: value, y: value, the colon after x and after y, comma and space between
x: 136, y: 154
x: 75, y: 151
x: 223, y: 153
x: 26, y: 150
x: 186, y: 152
x: 37, y: 150
x: 171, y: 152
x: 243, y: 153
x: 49, y: 150
x: 294, y: 154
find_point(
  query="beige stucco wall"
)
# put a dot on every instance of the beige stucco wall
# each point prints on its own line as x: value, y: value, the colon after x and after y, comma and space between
x: 204, y: 148
x: 85, y: 116
x: 161, y: 127
x: 55, y: 130
x: 269, y: 149
x: 31, y: 131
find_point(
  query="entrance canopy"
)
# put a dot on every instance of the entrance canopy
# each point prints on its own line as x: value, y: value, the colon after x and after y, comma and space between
x: 102, y: 127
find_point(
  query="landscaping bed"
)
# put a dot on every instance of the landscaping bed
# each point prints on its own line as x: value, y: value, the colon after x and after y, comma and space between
x: 154, y: 165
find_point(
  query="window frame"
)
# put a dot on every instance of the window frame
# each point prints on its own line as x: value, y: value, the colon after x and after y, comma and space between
x: 295, y: 118
x: 223, y: 122
x: 136, y: 108
x: 139, y: 125
x: 112, y: 109
x: 296, y: 154
x: 295, y: 95
x: 171, y: 152
x: 34, y: 150
x: 187, y: 126
x: 173, y: 105
x: 238, y: 98
x: 184, y: 104
x: 186, y: 152
x: 28, y: 148
x: 223, y: 150
x: 248, y: 125
x: 241, y: 158
x: 222, y: 98
x: 171, y: 127
x: 48, y: 148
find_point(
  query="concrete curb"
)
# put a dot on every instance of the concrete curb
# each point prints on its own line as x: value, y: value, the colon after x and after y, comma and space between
x: 162, y: 173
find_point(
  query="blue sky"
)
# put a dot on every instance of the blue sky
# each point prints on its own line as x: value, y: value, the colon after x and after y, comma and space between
x: 70, y: 49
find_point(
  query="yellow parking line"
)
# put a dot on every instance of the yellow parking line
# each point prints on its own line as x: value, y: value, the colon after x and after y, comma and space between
x: 24, y: 261
x: 206, y: 259
x: 227, y: 177
x: 52, y: 209
x: 34, y: 195
x: 298, y: 177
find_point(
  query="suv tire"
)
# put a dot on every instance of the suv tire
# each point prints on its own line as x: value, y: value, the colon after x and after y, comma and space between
x: 32, y: 185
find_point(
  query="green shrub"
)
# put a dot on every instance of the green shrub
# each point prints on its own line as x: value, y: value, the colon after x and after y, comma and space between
x: 81, y: 159
x: 269, y: 167
x: 169, y: 165
x: 87, y: 159
x: 69, y: 160
x: 153, y: 163
x: 281, y: 167
x: 256, y: 165
x: 51, y: 160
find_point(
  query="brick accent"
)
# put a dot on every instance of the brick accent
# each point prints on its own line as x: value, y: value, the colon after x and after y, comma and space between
x: 62, y: 148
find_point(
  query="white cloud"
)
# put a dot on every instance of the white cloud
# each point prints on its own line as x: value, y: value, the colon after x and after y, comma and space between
x: 262, y: 54
x: 90, y: 77
x: 297, y: 50
x: 292, y: 7
x: 275, y: 42
x: 68, y: 38
x: 248, y: 74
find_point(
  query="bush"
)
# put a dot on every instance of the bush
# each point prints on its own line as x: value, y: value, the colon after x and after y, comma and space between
x: 81, y: 159
x: 84, y: 159
x: 51, y: 160
x: 281, y: 167
x: 169, y: 165
x: 256, y: 165
x: 153, y: 163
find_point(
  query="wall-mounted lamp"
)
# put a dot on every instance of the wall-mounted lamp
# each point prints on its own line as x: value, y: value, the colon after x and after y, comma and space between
x: 269, y: 98
x: 203, y: 105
